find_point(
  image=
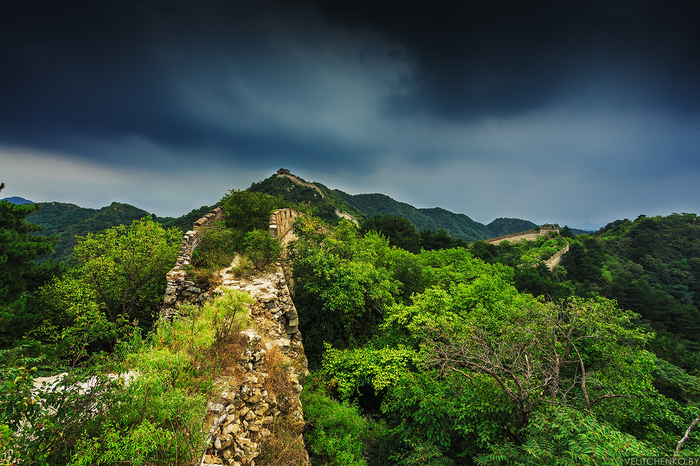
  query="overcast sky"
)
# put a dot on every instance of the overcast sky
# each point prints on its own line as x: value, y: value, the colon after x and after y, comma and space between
x: 552, y: 111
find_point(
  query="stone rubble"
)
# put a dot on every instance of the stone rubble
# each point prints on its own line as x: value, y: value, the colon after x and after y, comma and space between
x: 244, y: 414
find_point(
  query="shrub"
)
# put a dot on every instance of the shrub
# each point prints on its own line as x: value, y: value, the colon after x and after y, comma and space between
x: 228, y: 314
x: 217, y: 247
x: 261, y: 248
x: 152, y: 417
x: 337, y: 434
x: 247, y: 211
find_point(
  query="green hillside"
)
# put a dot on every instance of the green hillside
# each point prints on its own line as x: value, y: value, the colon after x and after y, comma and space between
x: 323, y: 201
x: 506, y: 226
x: 70, y: 220
x: 459, y: 226
x: 650, y: 265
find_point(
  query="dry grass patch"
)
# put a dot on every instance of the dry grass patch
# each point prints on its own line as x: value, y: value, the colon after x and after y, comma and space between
x: 285, y: 447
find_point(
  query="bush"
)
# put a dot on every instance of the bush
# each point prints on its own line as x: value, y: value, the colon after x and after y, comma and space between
x: 244, y: 268
x: 337, y: 434
x: 228, y: 314
x: 217, y: 248
x: 153, y: 416
x: 247, y: 211
x: 262, y: 249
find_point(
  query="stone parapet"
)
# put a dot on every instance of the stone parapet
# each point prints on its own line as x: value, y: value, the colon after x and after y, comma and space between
x: 180, y: 287
x: 281, y: 224
x: 556, y: 258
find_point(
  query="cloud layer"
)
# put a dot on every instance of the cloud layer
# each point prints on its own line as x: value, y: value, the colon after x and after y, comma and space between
x: 551, y: 111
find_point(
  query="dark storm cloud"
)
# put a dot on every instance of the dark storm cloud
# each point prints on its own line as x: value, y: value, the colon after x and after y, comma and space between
x: 80, y: 71
x: 108, y: 69
x: 503, y: 57
x: 464, y: 105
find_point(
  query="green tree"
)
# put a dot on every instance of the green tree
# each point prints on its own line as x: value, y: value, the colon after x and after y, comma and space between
x: 124, y: 269
x: 261, y: 248
x: 248, y: 211
x: 439, y: 239
x: 399, y: 230
x: 20, y: 277
x: 341, y: 284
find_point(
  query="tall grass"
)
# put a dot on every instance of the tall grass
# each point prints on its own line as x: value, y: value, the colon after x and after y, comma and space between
x: 152, y: 416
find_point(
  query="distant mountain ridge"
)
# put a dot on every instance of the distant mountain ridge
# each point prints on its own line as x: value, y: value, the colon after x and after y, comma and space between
x: 435, y: 218
x: 17, y: 200
x: 327, y: 201
x: 69, y: 220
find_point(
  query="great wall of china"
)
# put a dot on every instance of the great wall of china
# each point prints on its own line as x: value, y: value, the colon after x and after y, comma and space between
x: 243, y: 413
x: 532, y: 235
x: 282, y: 173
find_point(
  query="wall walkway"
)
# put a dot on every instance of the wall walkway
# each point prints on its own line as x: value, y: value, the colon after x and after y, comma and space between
x: 243, y: 413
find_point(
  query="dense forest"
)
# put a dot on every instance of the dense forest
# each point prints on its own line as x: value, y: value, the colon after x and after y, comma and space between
x: 423, y: 349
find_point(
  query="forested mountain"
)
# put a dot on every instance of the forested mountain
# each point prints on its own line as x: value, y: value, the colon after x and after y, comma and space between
x: 69, y: 220
x: 458, y: 225
x: 651, y: 266
x: 422, y: 350
x: 506, y: 226
x: 325, y: 202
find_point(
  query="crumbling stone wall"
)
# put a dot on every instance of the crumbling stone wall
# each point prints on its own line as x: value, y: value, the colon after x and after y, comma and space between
x: 243, y: 415
x: 181, y: 287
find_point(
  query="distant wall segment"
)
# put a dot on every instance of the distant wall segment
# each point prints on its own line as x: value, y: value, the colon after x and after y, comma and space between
x: 556, y: 258
x: 529, y: 235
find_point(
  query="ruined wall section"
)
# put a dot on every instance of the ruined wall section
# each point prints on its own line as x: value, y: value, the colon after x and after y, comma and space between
x: 243, y: 415
x: 181, y: 287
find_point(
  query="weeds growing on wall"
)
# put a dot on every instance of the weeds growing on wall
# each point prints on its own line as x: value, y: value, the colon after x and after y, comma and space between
x: 150, y: 414
x: 216, y: 250
x: 244, y: 268
x: 229, y: 315
x: 285, y: 447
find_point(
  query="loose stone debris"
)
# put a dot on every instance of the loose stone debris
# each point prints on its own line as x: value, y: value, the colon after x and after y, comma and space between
x: 244, y: 414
